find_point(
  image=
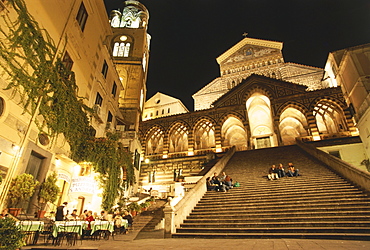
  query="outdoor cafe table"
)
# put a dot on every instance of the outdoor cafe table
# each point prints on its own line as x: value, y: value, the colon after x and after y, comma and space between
x: 102, y: 225
x: 32, y: 230
x: 69, y: 227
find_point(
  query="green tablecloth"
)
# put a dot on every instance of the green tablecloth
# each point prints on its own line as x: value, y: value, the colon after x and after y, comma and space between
x: 69, y: 227
x: 102, y: 225
x: 31, y: 226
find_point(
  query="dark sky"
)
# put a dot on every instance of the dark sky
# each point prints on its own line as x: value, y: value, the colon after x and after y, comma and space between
x: 188, y: 36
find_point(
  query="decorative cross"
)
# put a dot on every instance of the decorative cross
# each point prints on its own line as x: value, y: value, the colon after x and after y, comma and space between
x: 245, y: 34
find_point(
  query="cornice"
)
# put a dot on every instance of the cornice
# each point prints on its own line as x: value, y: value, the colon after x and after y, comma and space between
x: 251, y: 41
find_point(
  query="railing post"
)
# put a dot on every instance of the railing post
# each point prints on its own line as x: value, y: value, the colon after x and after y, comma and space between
x: 169, y: 219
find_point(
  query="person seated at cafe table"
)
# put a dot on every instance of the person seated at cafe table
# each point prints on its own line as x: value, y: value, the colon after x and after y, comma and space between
x: 89, y: 219
x: 73, y: 215
x: 127, y: 216
x: 102, y: 216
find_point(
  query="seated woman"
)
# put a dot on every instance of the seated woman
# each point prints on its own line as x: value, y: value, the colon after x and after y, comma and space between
x: 89, y: 218
x: 273, y: 173
x: 292, y: 171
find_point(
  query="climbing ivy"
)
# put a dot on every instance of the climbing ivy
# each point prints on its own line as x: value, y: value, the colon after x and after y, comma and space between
x: 47, y: 88
x: 110, y: 160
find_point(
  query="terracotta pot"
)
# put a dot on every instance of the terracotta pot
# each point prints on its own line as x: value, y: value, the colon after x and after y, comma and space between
x: 15, y: 211
x: 41, y: 214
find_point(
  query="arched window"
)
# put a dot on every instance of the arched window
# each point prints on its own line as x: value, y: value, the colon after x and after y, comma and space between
x: 121, y: 49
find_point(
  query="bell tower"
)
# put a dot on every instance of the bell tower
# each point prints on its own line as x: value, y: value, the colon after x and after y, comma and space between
x: 130, y: 52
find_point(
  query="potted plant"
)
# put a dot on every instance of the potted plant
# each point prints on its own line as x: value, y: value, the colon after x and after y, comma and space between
x: 134, y: 208
x: 21, y: 188
x: 144, y: 206
x: 48, y: 192
x: 151, y: 200
x: 11, y: 237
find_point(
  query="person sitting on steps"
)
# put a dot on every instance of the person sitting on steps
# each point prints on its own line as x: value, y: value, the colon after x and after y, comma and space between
x: 292, y: 171
x: 216, y: 180
x: 273, y: 173
x: 281, y: 171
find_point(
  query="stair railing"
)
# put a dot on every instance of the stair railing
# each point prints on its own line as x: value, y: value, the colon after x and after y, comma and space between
x: 175, y: 215
x: 359, y: 177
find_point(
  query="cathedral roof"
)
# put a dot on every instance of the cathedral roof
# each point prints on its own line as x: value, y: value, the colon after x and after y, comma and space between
x: 249, y: 41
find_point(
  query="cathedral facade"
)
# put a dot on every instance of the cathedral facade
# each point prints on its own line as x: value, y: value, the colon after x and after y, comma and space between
x: 258, y: 101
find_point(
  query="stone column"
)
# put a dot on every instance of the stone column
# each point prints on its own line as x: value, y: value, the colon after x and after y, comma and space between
x: 169, y: 219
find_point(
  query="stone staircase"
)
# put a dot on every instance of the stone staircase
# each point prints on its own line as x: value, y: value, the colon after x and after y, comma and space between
x: 317, y: 204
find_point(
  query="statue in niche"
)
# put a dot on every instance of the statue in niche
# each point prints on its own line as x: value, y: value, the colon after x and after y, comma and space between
x: 132, y: 17
x: 115, y: 18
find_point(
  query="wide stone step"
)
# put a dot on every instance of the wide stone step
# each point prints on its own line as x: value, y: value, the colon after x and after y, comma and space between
x: 290, y: 209
x: 315, y: 195
x: 304, y: 204
x: 276, y: 235
x: 221, y: 225
x: 251, y: 216
x: 295, y: 229
x: 193, y: 222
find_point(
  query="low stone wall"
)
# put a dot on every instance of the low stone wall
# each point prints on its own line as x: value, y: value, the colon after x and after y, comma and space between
x: 175, y: 215
x: 357, y: 176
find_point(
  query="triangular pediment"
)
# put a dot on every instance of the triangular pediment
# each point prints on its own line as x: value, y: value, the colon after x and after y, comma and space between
x: 272, y: 87
x: 250, y: 49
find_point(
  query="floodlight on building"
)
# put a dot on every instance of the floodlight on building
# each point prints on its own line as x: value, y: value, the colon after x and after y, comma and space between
x: 76, y: 170
x: 190, y: 153
x: 15, y: 147
x: 165, y: 156
x: 146, y: 160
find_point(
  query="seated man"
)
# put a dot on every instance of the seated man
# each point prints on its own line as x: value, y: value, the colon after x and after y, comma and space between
x: 226, y: 180
x: 281, y: 171
x: 273, y: 173
x: 218, y: 183
x: 292, y: 171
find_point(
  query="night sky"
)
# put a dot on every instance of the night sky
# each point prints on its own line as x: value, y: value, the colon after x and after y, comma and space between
x: 188, y: 36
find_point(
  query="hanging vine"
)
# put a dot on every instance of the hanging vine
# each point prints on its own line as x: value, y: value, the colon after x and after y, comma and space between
x: 36, y: 73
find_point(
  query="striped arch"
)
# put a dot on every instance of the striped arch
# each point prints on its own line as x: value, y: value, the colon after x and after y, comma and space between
x: 292, y: 123
x: 258, y: 89
x: 154, y: 140
x: 204, y: 133
x: 233, y: 132
x: 178, y: 137
x: 330, y: 116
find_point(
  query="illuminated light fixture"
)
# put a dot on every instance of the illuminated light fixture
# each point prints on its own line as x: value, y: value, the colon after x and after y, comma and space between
x: 218, y: 150
x: 15, y: 147
x: 123, y: 38
x: 57, y: 161
x: 146, y: 160
x: 165, y: 156
x: 77, y: 169
x: 190, y: 153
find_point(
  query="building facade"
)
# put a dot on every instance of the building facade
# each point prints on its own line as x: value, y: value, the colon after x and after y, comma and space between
x: 85, y: 39
x: 160, y: 105
x: 350, y: 69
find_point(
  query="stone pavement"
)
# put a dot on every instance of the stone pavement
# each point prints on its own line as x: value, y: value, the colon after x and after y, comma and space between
x: 123, y: 242
x: 137, y: 239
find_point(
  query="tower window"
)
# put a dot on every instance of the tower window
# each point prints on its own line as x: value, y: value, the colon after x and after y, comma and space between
x: 114, y: 89
x: 121, y: 49
x: 82, y: 16
x: 104, y: 69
